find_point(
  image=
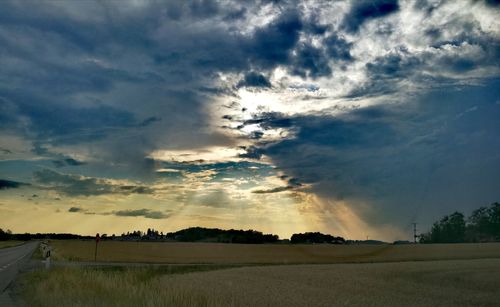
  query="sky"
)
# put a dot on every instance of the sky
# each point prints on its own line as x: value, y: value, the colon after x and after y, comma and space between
x: 354, y: 118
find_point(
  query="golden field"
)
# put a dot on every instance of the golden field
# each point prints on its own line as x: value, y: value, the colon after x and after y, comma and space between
x: 219, y: 253
x: 427, y: 283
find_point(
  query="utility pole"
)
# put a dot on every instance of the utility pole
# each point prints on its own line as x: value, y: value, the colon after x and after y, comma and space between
x: 415, y: 236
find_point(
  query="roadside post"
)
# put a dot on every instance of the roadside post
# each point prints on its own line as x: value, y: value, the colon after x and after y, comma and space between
x: 97, y: 238
x: 46, y: 254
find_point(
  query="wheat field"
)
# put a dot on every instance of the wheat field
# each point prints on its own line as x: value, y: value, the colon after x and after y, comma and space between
x: 428, y: 283
x: 219, y: 253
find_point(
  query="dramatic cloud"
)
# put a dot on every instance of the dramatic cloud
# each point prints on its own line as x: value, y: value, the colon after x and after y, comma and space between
x: 75, y: 209
x: 67, y: 162
x: 254, y: 79
x: 9, y: 184
x: 405, y: 158
x: 382, y: 111
x: 76, y: 185
x: 146, y: 213
x: 364, y: 10
x: 142, y: 212
x: 293, y: 184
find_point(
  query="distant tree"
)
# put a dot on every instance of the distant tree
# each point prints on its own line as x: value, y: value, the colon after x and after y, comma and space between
x: 425, y: 238
x: 315, y: 237
x: 494, y: 224
x: 450, y: 229
x: 484, y: 224
x: 478, y: 225
x: 4, y: 235
x: 199, y: 234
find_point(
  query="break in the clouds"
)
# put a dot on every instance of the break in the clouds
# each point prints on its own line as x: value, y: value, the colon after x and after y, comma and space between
x: 336, y: 116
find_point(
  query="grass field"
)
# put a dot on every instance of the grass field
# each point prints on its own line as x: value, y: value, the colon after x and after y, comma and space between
x: 214, y: 253
x: 429, y: 283
x: 10, y: 243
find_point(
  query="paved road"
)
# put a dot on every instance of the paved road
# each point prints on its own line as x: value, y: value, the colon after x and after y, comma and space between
x: 11, y: 259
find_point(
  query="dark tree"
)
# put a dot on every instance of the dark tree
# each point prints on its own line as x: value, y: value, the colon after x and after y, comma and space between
x: 484, y: 224
x: 5, y: 235
x: 478, y: 224
x: 315, y: 237
x: 450, y: 229
x: 200, y: 234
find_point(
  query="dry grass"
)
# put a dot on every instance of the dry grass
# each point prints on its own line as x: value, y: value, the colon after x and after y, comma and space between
x: 10, y: 243
x: 104, y: 287
x: 432, y: 283
x: 150, y: 252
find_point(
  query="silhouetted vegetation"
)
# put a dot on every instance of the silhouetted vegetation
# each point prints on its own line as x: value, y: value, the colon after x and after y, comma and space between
x: 199, y: 234
x: 315, y: 237
x: 8, y: 235
x: 482, y: 226
x: 370, y: 242
x: 194, y: 234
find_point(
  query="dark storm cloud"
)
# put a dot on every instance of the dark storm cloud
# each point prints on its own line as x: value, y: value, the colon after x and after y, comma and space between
x: 75, y: 209
x: 73, y: 162
x: 256, y: 135
x: 314, y: 27
x: 67, y: 162
x: 364, y: 10
x: 76, y: 185
x: 392, y: 66
x: 149, y: 121
x: 114, y: 81
x: 77, y: 125
x: 149, y: 214
x: 146, y: 213
x: 385, y: 72
x: 310, y: 62
x: 293, y: 184
x: 272, y: 45
x: 269, y: 120
x: 254, y: 79
x: 431, y: 152
x: 338, y: 48
x: 252, y: 152
x: 10, y: 184
x: 274, y: 190
x: 493, y: 3
x: 85, y: 79
x: 427, y: 6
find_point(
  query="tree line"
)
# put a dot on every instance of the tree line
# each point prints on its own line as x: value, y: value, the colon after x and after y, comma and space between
x: 192, y: 234
x: 200, y: 234
x: 483, y: 225
x: 315, y: 237
x: 8, y: 235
